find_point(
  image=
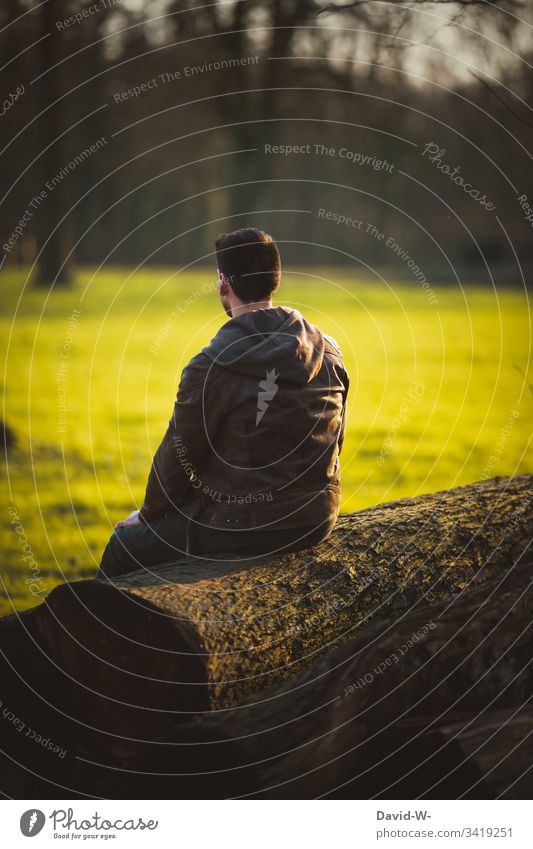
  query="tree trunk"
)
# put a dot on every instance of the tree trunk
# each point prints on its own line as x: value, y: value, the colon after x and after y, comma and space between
x: 435, y: 704
x: 140, y: 674
x: 263, y: 622
x: 54, y: 228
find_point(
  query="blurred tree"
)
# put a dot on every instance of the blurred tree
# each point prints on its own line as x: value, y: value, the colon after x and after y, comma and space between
x: 187, y: 156
x: 54, y: 229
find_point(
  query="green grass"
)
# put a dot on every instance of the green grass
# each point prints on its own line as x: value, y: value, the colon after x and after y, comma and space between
x: 470, y: 351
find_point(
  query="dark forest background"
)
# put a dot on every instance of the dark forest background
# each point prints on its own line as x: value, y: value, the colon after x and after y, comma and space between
x: 185, y: 159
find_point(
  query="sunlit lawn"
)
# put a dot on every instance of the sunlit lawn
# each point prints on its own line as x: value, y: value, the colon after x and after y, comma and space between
x: 439, y: 397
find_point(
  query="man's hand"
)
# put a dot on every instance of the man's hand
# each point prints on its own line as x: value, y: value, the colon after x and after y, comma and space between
x: 133, y: 519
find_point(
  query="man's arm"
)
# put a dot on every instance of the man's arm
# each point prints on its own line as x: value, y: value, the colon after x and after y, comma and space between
x: 185, y: 443
x: 342, y: 430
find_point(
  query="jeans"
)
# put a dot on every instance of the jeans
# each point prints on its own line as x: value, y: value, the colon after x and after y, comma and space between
x: 174, y: 536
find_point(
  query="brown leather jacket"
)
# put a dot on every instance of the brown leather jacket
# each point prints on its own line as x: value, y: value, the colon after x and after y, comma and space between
x: 257, y: 428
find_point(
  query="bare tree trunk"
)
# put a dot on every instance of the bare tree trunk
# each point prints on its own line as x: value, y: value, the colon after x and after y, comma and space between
x: 54, y: 235
x: 140, y: 675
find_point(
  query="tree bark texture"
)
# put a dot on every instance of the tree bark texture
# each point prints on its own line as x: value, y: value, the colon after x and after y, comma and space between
x: 392, y: 660
x: 263, y: 622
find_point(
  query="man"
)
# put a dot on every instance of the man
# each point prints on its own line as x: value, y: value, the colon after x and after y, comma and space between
x: 249, y: 464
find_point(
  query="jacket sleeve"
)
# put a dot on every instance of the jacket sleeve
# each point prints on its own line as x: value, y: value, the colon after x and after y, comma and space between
x: 342, y: 431
x: 184, y: 445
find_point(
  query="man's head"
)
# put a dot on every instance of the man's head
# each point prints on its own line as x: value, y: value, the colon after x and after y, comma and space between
x: 249, y: 269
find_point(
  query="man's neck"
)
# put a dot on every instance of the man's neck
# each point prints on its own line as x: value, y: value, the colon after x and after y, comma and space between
x: 240, y: 308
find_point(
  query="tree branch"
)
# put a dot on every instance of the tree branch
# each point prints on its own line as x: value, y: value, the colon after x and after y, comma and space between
x: 348, y: 7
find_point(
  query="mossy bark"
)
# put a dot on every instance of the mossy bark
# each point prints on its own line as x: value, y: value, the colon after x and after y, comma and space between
x: 435, y: 704
x: 112, y: 671
x: 265, y: 621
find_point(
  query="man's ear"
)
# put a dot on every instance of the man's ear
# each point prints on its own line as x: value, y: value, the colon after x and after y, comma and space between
x: 223, y: 284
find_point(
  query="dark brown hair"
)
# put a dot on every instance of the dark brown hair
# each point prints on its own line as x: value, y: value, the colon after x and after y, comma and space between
x: 250, y: 260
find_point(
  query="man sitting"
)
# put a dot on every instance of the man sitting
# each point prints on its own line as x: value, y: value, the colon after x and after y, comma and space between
x: 249, y: 464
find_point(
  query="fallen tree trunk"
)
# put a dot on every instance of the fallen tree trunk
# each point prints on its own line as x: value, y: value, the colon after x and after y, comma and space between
x: 264, y: 622
x: 107, y: 670
x: 435, y: 704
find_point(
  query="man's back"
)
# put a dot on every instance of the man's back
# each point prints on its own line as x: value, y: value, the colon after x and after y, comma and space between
x: 273, y: 406
x: 250, y: 459
x: 257, y: 429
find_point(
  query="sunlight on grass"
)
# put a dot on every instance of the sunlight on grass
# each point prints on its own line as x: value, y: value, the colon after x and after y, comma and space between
x: 440, y: 396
